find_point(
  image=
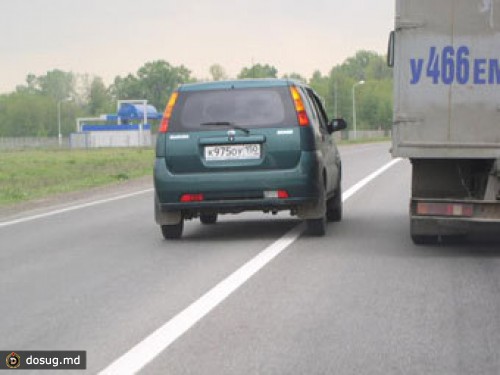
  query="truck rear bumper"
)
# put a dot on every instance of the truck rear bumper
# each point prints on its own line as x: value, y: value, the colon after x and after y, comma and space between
x: 444, y: 217
x: 440, y: 226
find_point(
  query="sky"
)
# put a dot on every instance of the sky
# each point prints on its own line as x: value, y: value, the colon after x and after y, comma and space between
x: 109, y: 38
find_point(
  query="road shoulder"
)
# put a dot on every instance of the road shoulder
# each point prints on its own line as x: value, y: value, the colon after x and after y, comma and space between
x: 60, y: 201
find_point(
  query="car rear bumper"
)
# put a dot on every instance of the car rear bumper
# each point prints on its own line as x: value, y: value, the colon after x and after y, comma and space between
x: 236, y: 191
x: 235, y: 206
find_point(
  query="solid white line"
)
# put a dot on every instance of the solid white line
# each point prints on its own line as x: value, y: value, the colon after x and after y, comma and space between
x: 72, y: 208
x: 354, y: 189
x: 144, y: 352
x: 148, y: 349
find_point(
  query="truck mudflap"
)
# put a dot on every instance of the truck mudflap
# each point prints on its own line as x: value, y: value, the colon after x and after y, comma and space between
x: 435, y: 220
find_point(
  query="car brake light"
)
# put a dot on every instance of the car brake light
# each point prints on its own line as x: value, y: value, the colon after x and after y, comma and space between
x: 192, y: 198
x: 283, y: 194
x: 299, y: 107
x: 445, y: 209
x: 168, y: 112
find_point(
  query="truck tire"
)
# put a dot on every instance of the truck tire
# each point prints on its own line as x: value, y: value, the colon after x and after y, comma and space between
x: 208, y: 219
x: 422, y: 239
x: 425, y: 240
x: 454, y: 239
x: 172, y: 232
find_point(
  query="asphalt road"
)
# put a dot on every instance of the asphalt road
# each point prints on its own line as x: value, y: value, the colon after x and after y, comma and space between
x: 361, y: 300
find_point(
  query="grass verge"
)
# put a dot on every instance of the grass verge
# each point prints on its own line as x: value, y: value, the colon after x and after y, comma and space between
x: 33, y: 174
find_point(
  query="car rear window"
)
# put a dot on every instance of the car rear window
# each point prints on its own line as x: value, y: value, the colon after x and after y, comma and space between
x: 250, y: 108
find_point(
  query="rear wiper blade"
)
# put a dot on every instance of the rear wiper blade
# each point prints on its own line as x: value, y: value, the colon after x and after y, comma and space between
x: 226, y: 123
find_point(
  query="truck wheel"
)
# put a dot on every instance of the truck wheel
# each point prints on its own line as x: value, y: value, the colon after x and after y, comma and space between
x: 208, y: 219
x: 424, y: 240
x: 454, y: 239
x: 172, y: 232
x: 316, y: 227
x: 334, y: 206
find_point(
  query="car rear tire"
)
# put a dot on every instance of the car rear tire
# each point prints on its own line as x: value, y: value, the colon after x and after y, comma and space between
x: 172, y: 232
x: 334, y: 207
x: 316, y: 227
x: 208, y: 219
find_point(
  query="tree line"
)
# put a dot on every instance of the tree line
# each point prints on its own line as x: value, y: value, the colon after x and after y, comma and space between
x: 32, y: 109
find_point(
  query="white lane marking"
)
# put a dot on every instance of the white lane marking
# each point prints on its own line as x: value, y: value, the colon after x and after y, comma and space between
x: 72, y: 208
x: 354, y: 189
x: 144, y: 352
x: 148, y: 349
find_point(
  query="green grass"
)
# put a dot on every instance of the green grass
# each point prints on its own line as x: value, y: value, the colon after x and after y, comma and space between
x: 32, y: 174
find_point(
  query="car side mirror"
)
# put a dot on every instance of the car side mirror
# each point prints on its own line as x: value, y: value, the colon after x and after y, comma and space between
x: 336, y: 125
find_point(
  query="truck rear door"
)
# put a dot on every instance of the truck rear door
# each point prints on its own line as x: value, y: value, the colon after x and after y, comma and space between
x: 447, y: 75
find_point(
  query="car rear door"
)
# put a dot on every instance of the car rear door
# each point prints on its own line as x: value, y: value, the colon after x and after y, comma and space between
x: 240, y: 129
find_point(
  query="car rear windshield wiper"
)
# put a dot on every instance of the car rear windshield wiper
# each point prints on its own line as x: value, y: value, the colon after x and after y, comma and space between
x: 226, y: 123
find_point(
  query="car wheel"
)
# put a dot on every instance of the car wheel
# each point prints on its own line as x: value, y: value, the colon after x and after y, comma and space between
x: 334, y: 207
x: 172, y: 232
x: 316, y: 227
x: 208, y: 219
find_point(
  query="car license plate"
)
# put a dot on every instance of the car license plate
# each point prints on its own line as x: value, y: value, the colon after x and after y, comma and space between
x: 232, y: 152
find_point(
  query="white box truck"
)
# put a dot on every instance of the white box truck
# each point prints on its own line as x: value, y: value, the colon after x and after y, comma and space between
x: 446, y: 59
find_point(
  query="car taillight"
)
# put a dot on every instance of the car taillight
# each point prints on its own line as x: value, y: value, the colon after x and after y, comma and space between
x: 299, y: 107
x: 192, y: 198
x: 168, y: 112
x: 283, y: 194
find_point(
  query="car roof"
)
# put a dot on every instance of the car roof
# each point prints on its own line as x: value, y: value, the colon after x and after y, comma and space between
x: 239, y: 84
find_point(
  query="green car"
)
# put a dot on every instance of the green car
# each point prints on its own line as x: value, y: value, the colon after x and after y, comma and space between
x: 246, y: 145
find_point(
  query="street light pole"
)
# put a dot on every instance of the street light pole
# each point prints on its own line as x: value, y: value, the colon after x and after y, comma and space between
x: 59, y: 136
x: 354, y: 106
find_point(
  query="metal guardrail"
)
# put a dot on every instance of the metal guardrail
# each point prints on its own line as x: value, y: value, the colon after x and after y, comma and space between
x: 20, y: 143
